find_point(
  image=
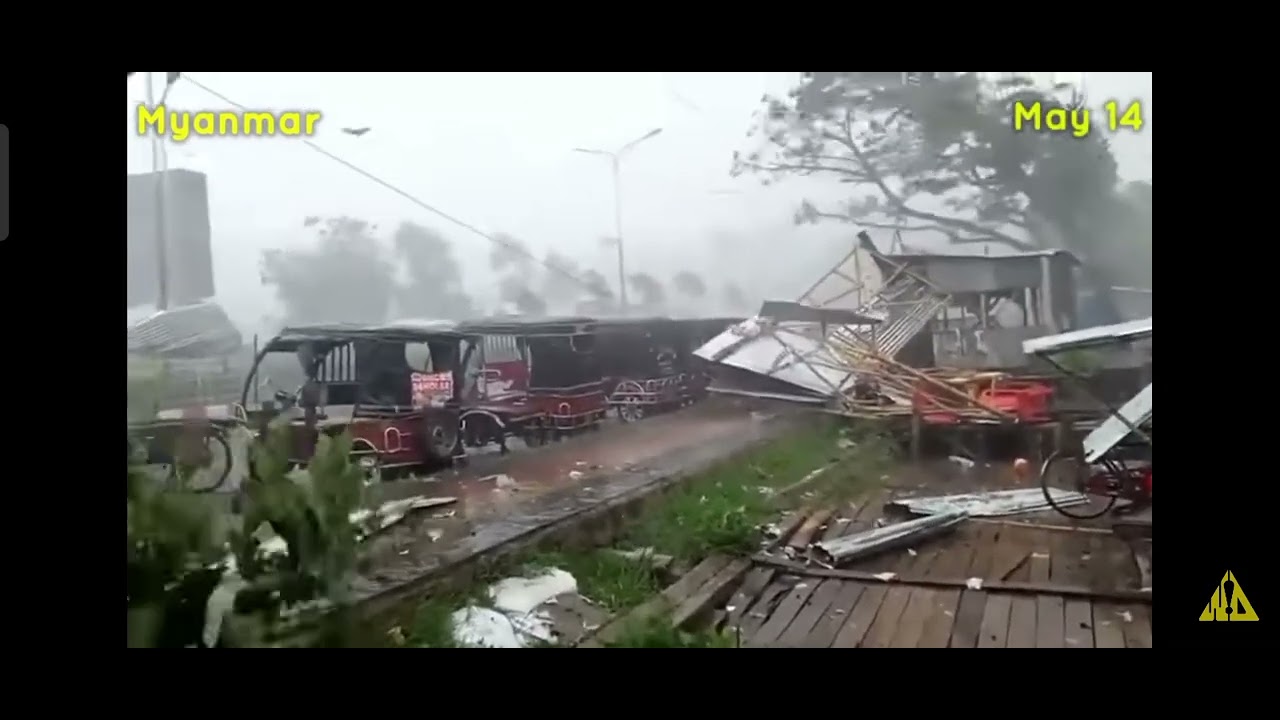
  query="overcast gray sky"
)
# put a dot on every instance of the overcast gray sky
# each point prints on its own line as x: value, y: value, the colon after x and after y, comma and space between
x: 495, y: 149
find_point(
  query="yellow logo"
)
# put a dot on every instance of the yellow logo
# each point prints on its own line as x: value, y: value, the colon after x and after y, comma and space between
x: 1228, y: 603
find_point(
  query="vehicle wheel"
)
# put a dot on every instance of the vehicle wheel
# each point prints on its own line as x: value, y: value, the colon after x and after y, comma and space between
x: 213, y: 466
x: 370, y: 465
x: 535, y: 433
x: 441, y: 441
x: 630, y: 411
x: 1062, y: 472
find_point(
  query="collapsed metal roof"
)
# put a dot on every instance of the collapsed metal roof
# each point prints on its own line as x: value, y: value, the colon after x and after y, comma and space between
x: 192, y: 331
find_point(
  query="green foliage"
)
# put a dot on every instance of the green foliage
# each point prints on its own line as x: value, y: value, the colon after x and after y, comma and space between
x: 171, y: 531
x: 173, y: 561
x: 310, y: 512
x: 721, y: 510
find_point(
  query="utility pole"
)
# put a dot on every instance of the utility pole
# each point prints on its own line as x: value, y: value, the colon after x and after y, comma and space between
x: 159, y: 170
x: 615, y: 159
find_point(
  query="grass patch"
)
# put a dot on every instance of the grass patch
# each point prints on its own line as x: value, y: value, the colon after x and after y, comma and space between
x: 657, y: 632
x: 604, y: 577
x: 721, y: 510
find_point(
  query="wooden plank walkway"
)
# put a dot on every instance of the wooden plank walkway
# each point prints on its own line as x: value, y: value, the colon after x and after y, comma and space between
x: 775, y: 607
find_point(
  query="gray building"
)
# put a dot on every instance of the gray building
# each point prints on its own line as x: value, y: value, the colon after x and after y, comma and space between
x: 994, y: 302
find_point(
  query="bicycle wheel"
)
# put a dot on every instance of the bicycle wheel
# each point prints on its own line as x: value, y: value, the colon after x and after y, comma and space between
x: 1058, y: 467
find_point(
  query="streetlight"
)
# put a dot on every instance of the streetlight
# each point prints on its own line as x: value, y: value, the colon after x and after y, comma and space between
x: 615, y: 158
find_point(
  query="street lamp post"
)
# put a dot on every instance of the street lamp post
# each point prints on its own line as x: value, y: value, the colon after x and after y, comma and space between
x: 615, y: 163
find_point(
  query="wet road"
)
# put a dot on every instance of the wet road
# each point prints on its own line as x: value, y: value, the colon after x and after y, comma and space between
x: 503, y: 498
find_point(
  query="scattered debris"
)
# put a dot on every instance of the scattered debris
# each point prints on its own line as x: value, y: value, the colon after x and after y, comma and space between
x: 871, y: 542
x: 965, y: 463
x: 973, y: 583
x: 500, y: 480
x: 813, y: 523
x: 990, y: 504
x: 576, y: 474
x: 516, y: 618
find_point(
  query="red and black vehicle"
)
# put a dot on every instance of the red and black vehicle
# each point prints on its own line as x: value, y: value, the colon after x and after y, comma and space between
x: 396, y: 389
x: 648, y: 364
x: 531, y: 378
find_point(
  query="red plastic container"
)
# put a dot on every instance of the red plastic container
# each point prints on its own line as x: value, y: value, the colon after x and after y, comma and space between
x: 1026, y: 400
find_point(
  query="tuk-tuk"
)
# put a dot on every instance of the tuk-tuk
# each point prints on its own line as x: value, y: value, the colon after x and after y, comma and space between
x: 396, y: 388
x: 531, y: 378
x: 648, y: 364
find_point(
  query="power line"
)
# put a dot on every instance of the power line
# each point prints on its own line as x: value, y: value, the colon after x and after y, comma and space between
x: 513, y: 247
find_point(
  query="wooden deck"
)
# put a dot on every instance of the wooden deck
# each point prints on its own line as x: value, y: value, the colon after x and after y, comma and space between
x: 1043, y: 586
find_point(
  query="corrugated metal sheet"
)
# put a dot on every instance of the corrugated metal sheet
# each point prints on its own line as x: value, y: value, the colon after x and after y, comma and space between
x: 1137, y: 412
x: 1089, y: 337
x: 202, y: 330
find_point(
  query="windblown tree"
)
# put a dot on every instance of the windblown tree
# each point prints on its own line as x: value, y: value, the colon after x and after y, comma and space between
x: 433, y: 278
x: 347, y: 276
x: 689, y: 284
x: 942, y: 155
x: 649, y: 294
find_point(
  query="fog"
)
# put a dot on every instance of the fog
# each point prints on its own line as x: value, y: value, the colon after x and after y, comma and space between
x: 496, y: 150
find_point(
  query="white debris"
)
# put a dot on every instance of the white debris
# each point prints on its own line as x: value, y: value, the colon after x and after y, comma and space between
x: 973, y: 583
x: 219, y: 605
x: 1125, y: 615
x: 576, y: 475
x: 845, y: 443
x: 911, y: 552
x: 524, y: 594
x: 500, y: 480
x: 886, y: 576
x: 965, y: 463
x: 434, y: 534
x: 515, y: 620
x: 483, y: 627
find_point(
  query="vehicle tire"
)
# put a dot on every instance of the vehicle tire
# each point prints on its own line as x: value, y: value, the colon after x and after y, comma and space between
x: 534, y: 433
x: 1057, y: 465
x: 370, y: 465
x: 441, y: 441
x: 631, y: 411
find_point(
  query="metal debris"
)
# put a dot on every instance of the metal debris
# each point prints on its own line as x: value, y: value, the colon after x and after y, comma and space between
x: 973, y: 583
x: 851, y: 547
x: 990, y: 504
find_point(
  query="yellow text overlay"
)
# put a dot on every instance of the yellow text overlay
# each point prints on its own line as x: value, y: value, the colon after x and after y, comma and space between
x: 1077, y: 121
x: 180, y: 125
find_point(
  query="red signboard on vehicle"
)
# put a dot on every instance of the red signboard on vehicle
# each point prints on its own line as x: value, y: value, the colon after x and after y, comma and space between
x: 432, y: 389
